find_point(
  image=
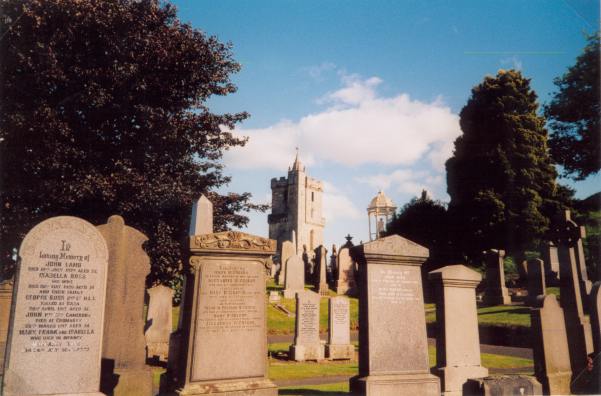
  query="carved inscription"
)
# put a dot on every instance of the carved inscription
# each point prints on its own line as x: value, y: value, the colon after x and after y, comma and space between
x: 339, y: 321
x: 395, y: 286
x: 308, y: 317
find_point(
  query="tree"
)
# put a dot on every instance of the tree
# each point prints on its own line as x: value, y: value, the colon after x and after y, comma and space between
x: 574, y: 113
x: 103, y: 111
x: 500, y: 178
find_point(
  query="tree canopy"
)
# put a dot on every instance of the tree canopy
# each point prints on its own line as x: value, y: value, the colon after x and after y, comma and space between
x: 574, y: 113
x: 500, y: 178
x: 103, y: 111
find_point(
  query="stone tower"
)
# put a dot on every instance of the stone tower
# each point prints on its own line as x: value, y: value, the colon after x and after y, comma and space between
x: 296, y: 203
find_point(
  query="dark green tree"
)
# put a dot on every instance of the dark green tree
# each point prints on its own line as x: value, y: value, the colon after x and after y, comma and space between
x: 500, y: 178
x: 573, y: 115
x: 103, y: 111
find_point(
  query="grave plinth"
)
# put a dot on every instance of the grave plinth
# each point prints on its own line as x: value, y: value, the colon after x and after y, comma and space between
x: 393, y: 347
x: 226, y: 341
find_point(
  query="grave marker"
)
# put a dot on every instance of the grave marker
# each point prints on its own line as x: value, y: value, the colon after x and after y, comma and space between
x: 536, y: 280
x: 496, y: 292
x: 339, y: 345
x: 321, y: 284
x: 295, y: 276
x: 160, y: 322
x: 345, y: 284
x: 307, y: 345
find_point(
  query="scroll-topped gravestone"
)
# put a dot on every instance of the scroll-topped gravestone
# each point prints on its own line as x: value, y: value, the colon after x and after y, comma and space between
x: 226, y: 337
x: 339, y: 345
x: 295, y: 276
x: 6, y: 294
x: 287, y: 252
x: 393, y: 347
x: 320, y: 276
x: 345, y: 284
x: 536, y: 280
x: 457, y: 341
x: 550, y: 346
x: 496, y: 292
x: 307, y: 345
x: 55, y: 335
x: 159, y: 321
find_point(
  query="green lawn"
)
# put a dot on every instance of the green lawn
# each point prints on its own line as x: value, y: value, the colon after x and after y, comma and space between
x: 499, y: 315
x: 337, y: 389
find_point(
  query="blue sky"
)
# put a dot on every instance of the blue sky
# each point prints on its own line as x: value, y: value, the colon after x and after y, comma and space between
x: 370, y: 90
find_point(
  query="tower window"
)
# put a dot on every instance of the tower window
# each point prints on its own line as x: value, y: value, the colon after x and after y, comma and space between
x: 312, y: 196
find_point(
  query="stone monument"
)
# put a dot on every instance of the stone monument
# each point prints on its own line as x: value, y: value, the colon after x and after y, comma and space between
x: 457, y: 341
x: 345, y: 284
x: 295, y: 276
x: 595, y: 307
x: 159, y: 321
x: 288, y: 251
x: 393, y: 346
x: 307, y: 345
x: 339, y: 345
x: 6, y: 296
x: 550, y: 346
x: 321, y: 284
x: 496, y: 293
x: 536, y: 280
x: 55, y: 334
x: 551, y: 260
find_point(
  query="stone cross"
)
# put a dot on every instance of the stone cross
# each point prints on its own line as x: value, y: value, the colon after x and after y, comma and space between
x: 536, y: 280
x: 339, y: 345
x: 307, y: 345
x: 495, y: 293
x: 457, y: 341
x: 159, y: 321
x: 345, y: 283
x: 55, y: 335
x: 6, y: 296
x: 295, y: 276
x: 321, y: 285
x: 393, y: 346
x: 550, y: 346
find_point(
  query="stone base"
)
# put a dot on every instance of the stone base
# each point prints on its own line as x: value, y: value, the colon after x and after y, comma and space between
x: 498, y: 297
x: 133, y: 382
x: 291, y: 293
x: 158, y: 350
x: 340, y: 352
x: 503, y: 385
x: 257, y: 387
x: 557, y: 383
x: 300, y: 353
x: 395, y: 385
x: 453, y: 378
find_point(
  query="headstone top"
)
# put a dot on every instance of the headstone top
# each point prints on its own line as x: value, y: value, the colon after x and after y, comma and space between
x: 394, y: 245
x: 201, y: 221
x: 232, y: 241
x: 456, y: 272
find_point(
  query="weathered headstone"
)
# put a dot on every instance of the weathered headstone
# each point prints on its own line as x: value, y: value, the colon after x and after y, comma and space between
x: 550, y: 346
x: 536, y: 280
x: 124, y: 370
x: 585, y: 284
x: 226, y: 339
x: 566, y: 234
x: 307, y: 345
x: 321, y: 284
x: 159, y: 321
x: 200, y: 221
x: 393, y: 347
x: 55, y: 334
x: 457, y: 341
x: 339, y: 345
x: 6, y: 295
x: 503, y: 385
x: 551, y: 260
x: 345, y: 284
x: 496, y: 292
x: 295, y: 277
x: 287, y: 252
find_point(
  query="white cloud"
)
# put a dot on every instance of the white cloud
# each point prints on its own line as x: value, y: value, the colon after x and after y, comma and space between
x: 317, y: 72
x: 513, y: 61
x: 336, y: 205
x: 405, y: 181
x: 358, y: 127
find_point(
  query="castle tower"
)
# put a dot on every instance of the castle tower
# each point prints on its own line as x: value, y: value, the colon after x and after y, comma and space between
x: 296, y: 203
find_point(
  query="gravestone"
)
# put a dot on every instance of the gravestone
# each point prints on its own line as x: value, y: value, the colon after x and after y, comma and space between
x: 339, y: 345
x: 200, y: 221
x: 566, y: 234
x: 595, y: 304
x: 536, y: 280
x: 55, y: 334
x: 6, y: 295
x: 295, y: 276
x: 585, y: 284
x: 457, y: 341
x: 226, y: 337
x: 551, y: 260
x: 321, y: 284
x: 345, y: 284
x: 124, y: 370
x: 550, y: 346
x: 503, y: 385
x: 393, y: 347
x: 159, y: 321
x: 274, y: 296
x: 495, y: 293
x: 307, y: 345
x: 287, y: 252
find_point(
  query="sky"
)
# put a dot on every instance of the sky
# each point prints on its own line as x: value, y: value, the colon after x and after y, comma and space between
x: 370, y: 91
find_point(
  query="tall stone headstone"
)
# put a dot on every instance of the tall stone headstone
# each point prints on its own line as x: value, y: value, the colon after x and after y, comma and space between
x: 393, y: 346
x: 159, y: 322
x: 226, y: 336
x: 6, y: 296
x: 595, y: 307
x: 321, y: 284
x: 536, y: 280
x: 585, y: 284
x: 550, y: 346
x: 295, y: 276
x: 201, y: 221
x: 566, y: 234
x: 551, y: 260
x: 345, y: 284
x: 339, y: 345
x: 124, y: 370
x: 457, y: 341
x: 55, y: 334
x: 496, y: 292
x: 287, y: 252
x: 307, y: 345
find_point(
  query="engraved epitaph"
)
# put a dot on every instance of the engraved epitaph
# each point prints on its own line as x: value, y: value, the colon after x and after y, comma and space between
x: 339, y: 333
x: 55, y: 335
x: 307, y: 345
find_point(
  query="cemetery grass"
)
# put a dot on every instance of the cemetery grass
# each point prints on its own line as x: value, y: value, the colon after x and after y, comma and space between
x: 336, y: 389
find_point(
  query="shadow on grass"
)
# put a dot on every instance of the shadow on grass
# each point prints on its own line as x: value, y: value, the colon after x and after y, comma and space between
x: 522, y: 311
x: 310, y: 392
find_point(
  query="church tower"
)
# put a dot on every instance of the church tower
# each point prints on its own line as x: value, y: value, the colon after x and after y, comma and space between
x: 296, y: 203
